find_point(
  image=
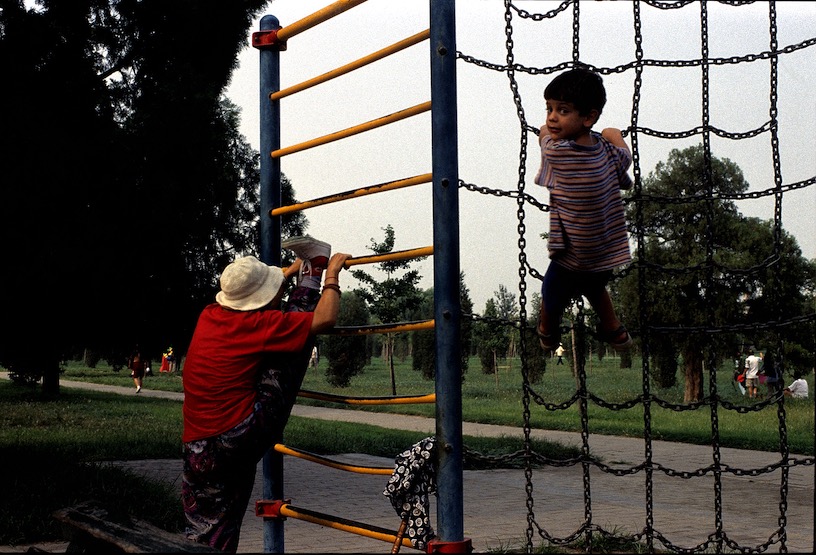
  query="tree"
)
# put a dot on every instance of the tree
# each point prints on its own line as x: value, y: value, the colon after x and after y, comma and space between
x: 492, y: 337
x: 423, y: 356
x: 507, y: 309
x: 697, y: 263
x: 393, y: 298
x: 126, y: 190
x: 347, y: 355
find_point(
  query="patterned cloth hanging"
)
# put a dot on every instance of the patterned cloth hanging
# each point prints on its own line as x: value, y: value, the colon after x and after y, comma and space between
x: 408, y: 489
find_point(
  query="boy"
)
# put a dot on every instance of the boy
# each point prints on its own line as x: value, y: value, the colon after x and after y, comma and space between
x: 584, y: 173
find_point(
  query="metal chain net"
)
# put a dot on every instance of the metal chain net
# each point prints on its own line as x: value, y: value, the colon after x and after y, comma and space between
x: 709, y: 268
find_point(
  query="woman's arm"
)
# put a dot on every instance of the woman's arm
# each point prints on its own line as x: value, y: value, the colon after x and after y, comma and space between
x: 328, y: 307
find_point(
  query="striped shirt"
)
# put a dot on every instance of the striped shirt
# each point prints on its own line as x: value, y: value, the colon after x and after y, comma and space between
x: 587, y: 220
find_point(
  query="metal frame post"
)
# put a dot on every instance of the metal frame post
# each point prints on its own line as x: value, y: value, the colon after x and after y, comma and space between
x: 270, y: 241
x: 270, y: 231
x: 447, y: 303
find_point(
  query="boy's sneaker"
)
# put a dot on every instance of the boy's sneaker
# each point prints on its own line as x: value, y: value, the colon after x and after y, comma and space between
x: 309, y: 249
x: 315, y: 256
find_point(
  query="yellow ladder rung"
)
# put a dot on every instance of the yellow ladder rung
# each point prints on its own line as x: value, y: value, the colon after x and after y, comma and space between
x: 277, y: 509
x: 382, y: 328
x: 389, y: 400
x: 363, y: 191
x: 325, y: 461
x: 354, y: 130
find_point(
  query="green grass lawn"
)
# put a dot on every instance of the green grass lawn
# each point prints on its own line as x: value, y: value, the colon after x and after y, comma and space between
x: 498, y: 399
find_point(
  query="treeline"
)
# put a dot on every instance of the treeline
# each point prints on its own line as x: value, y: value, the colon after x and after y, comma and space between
x: 126, y: 182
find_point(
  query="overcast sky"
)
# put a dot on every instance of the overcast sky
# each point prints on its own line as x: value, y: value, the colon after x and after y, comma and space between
x: 489, y: 129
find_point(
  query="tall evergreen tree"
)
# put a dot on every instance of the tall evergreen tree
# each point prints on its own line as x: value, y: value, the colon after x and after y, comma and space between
x: 492, y: 337
x: 127, y: 181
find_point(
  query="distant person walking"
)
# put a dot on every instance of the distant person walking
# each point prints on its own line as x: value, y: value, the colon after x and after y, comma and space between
x: 136, y: 364
x: 559, y: 352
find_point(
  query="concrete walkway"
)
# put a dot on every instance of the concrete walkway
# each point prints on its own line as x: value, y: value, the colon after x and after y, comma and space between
x: 495, y: 501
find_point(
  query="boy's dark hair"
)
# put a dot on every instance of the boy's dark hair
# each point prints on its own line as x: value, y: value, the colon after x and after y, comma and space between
x: 580, y: 86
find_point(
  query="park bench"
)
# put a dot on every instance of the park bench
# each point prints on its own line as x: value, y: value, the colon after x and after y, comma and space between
x: 90, y: 529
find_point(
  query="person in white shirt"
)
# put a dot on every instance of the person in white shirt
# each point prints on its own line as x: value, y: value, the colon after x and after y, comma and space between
x: 559, y: 352
x: 798, y: 389
x: 752, y: 363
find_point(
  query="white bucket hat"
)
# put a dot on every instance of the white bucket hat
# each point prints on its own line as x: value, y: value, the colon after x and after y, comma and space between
x: 249, y: 284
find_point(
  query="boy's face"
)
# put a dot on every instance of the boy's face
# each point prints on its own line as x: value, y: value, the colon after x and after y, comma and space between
x: 565, y: 122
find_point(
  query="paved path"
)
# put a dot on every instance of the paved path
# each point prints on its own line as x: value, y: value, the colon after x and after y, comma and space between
x: 495, y: 502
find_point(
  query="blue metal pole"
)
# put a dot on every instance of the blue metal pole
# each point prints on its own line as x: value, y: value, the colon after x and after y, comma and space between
x: 270, y: 232
x: 270, y: 243
x: 447, y: 313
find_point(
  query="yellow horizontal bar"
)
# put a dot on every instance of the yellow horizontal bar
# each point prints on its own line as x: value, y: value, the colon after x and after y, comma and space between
x: 357, y: 64
x: 390, y: 400
x: 408, y: 254
x: 317, y: 18
x: 370, y: 190
x: 373, y: 124
x: 382, y: 328
x: 330, y: 463
x: 342, y: 524
x: 390, y: 256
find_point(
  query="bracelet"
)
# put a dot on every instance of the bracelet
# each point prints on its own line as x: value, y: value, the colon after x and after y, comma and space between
x: 333, y: 287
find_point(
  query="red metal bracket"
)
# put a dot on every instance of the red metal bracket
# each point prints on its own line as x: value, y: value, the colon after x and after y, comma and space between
x: 270, y: 509
x: 438, y: 546
x: 265, y: 40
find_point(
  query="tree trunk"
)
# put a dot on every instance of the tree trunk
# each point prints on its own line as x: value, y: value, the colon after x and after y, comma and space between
x: 693, y: 371
x: 575, y: 354
x: 496, y: 369
x: 390, y: 341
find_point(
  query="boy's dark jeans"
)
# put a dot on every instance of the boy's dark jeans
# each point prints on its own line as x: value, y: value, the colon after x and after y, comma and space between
x: 559, y: 287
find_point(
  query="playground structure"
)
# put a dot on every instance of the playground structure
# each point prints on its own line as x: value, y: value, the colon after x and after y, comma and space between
x: 444, y: 177
x: 445, y: 183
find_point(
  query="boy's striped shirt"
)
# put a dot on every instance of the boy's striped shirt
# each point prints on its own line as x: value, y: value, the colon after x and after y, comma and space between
x: 587, y: 220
